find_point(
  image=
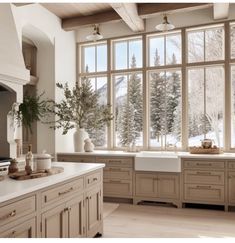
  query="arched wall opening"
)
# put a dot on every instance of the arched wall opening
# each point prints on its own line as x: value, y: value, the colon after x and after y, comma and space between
x: 45, y: 66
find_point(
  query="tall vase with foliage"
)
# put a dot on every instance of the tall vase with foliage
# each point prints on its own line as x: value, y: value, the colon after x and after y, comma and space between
x: 80, y: 109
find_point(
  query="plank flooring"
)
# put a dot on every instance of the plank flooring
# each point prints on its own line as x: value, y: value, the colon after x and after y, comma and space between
x: 141, y: 221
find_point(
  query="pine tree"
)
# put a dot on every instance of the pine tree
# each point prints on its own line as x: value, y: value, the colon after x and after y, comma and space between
x: 130, y: 115
x: 157, y: 99
x: 136, y: 97
x: 173, y: 92
x: 126, y: 125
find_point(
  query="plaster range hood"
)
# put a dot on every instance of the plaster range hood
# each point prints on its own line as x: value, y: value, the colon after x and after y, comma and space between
x: 13, y: 72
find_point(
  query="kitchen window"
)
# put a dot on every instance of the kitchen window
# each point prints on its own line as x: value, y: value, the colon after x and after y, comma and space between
x: 181, y: 93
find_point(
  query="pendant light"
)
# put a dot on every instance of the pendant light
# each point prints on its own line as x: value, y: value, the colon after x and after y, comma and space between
x: 95, y: 35
x: 165, y: 26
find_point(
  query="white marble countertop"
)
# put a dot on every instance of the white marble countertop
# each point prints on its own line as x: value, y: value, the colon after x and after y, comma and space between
x: 10, y: 189
x: 153, y: 154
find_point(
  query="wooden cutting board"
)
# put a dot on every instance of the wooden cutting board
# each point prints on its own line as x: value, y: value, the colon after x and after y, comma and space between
x: 21, y: 175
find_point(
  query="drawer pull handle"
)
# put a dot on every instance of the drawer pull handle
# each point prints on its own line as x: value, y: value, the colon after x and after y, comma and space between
x: 204, y: 187
x: 95, y: 179
x: 68, y: 209
x: 203, y: 173
x: 10, y: 215
x: 65, y: 192
x: 115, y: 181
x: 115, y: 161
x: 203, y: 164
x: 115, y: 169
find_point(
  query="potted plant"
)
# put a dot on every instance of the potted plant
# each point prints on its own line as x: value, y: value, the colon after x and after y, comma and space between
x: 32, y: 109
x: 80, y: 109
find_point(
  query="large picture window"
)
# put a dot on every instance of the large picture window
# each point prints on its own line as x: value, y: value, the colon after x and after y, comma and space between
x: 128, y: 100
x: 173, y: 99
x: 205, y: 44
x: 206, y: 104
x: 165, y: 108
x: 167, y: 47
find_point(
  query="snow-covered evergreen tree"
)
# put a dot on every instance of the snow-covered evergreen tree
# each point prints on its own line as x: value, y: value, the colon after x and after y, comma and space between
x: 157, y: 99
x: 173, y: 109
x: 130, y: 115
x: 135, y: 97
x: 126, y: 125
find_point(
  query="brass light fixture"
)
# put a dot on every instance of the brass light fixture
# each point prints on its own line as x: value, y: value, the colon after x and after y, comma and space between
x: 95, y: 35
x: 165, y: 26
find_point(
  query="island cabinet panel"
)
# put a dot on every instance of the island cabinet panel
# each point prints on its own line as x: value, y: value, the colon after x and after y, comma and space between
x: 231, y: 187
x: 17, y: 210
x: 54, y: 223
x: 62, y: 192
x: 27, y: 229
x: 93, y: 210
x: 118, y: 173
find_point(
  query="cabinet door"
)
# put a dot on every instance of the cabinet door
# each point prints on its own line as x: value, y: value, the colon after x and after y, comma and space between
x: 146, y: 185
x: 23, y: 230
x: 76, y: 227
x: 231, y: 187
x: 54, y: 223
x: 94, y: 214
x: 168, y: 186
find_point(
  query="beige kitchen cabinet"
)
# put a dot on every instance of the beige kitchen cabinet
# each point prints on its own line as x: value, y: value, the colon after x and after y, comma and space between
x: 54, y: 222
x: 26, y: 229
x: 157, y: 186
x: 146, y: 185
x: 93, y: 210
x: 118, y: 188
x: 231, y: 188
x: 65, y: 220
x: 204, y: 181
x: 118, y: 173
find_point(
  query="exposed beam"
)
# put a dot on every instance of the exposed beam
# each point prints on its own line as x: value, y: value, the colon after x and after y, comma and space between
x: 75, y: 22
x: 129, y: 14
x: 220, y: 10
x: 144, y: 11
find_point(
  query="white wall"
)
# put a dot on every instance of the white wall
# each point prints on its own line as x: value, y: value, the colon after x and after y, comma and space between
x: 56, y: 62
x: 179, y: 19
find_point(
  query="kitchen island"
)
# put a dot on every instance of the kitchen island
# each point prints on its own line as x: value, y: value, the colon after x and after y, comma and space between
x: 68, y: 204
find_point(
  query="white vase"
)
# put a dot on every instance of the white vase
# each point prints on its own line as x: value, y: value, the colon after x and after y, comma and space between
x: 78, y: 138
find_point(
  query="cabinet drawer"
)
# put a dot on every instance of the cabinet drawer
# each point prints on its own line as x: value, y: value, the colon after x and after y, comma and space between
x: 93, y: 179
x: 116, y: 161
x: 204, y: 164
x: 204, y: 193
x: 117, y: 188
x: 17, y: 210
x: 76, y: 158
x: 118, y: 173
x: 231, y: 165
x: 204, y: 177
x: 61, y: 192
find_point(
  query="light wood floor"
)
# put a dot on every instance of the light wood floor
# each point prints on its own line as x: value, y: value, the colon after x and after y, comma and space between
x: 155, y: 221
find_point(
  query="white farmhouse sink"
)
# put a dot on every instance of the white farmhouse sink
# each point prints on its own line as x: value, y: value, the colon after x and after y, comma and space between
x: 158, y: 161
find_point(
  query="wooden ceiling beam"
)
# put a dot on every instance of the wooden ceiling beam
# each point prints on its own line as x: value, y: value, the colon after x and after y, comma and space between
x: 220, y: 10
x: 76, y: 22
x: 129, y: 14
x: 144, y: 10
